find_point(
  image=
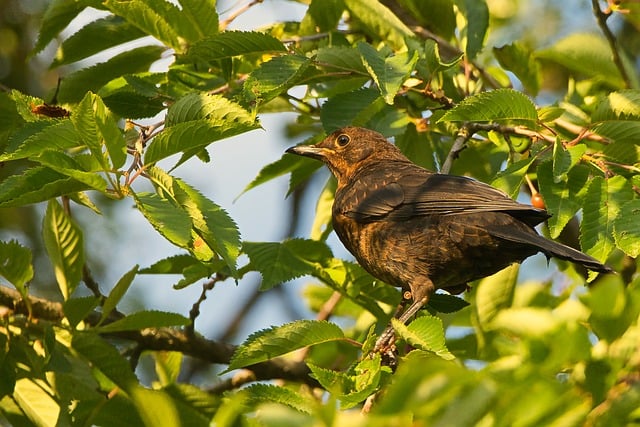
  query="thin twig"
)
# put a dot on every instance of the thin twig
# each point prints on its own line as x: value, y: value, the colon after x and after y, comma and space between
x: 195, y: 309
x: 602, y: 17
x: 225, y: 23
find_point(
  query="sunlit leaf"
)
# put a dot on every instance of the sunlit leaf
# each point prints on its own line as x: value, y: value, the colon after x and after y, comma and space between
x: 379, y: 21
x: 234, y: 43
x: 500, y: 106
x: 36, y: 185
x: 389, y: 73
x: 274, y: 77
x: 475, y: 29
x: 145, y: 319
x: 278, y: 340
x: 117, y: 293
x: 425, y: 333
x: 37, y: 404
x: 64, y: 243
x: 16, y: 265
x: 170, y: 221
x: 627, y: 228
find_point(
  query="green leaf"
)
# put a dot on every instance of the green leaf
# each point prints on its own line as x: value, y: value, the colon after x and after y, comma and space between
x: 474, y: 30
x: 585, y: 54
x: 59, y: 136
x: 64, y: 243
x: 531, y: 322
x: 425, y: 333
x: 145, y: 319
x: 202, y: 16
x: 602, y: 204
x: 95, y: 37
x: 171, y: 265
x: 16, y: 265
x: 105, y: 357
x: 155, y: 407
x: 135, y: 95
x: 117, y: 293
x: 340, y: 58
x: 60, y: 162
x: 97, y: 127
x: 619, y: 105
x: 38, y: 405
x: 74, y: 86
x: 151, y: 18
x: 518, y: 59
x: 278, y: 340
x: 627, y: 228
x: 495, y: 293
x: 388, y: 73
x: 212, y: 223
x: 344, y: 109
x: 445, y: 303
x: 234, y: 43
x: 282, y: 261
x: 562, y: 199
x: 36, y: 185
x: 510, y: 180
x: 437, y: 15
x: 379, y: 21
x: 274, y: 77
x: 57, y: 16
x: 499, y: 106
x: 196, y: 121
x: 77, y: 309
x: 266, y: 393
x: 171, y: 221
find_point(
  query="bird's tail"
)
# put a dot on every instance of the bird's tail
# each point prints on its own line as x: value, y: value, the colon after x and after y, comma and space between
x: 554, y: 249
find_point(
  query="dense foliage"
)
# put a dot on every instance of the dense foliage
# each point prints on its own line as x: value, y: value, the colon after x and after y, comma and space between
x: 557, y: 122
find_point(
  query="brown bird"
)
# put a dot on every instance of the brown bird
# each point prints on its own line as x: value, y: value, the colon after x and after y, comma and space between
x: 420, y: 230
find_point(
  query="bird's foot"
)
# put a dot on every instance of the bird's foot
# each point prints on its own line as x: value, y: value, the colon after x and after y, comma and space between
x: 386, y: 346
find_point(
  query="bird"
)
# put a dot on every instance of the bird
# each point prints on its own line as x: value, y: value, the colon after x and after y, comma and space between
x: 419, y: 230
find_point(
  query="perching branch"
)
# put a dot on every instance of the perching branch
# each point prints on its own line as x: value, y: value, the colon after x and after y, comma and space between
x: 165, y: 339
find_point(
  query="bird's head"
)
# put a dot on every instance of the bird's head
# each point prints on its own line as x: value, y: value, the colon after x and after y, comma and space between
x: 349, y: 149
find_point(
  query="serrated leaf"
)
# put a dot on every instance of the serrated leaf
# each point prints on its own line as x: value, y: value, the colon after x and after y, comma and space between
x: 95, y: 37
x: 117, y: 293
x: 150, y: 17
x: 105, y: 357
x: 619, y: 105
x: 74, y: 86
x: 234, y: 43
x: 261, y: 393
x: 585, y: 54
x: 621, y: 131
x: 424, y: 333
x: 601, y: 207
x: 387, y: 72
x: 171, y: 221
x: 282, y: 261
x: 340, y: 58
x: 36, y: 403
x: 274, y: 77
x: 499, y: 106
x: 495, y: 293
x: 16, y: 265
x: 36, y: 185
x: 518, y: 59
x: 145, y: 319
x: 474, y: 30
x: 212, y: 223
x: 343, y: 109
x: 278, y: 340
x: 214, y: 108
x: 563, y: 199
x: 58, y: 136
x: 379, y: 21
x: 64, y: 243
x: 627, y: 228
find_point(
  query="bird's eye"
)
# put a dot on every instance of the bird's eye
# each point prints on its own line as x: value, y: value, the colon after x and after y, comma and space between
x: 343, y: 140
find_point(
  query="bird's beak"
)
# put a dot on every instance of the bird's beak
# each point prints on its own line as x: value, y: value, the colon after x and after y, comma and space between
x: 308, y: 151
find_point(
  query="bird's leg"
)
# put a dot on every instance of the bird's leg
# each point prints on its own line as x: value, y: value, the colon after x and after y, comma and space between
x: 420, y: 292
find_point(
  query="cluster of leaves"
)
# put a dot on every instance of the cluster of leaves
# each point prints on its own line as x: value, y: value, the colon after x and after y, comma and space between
x: 516, y: 355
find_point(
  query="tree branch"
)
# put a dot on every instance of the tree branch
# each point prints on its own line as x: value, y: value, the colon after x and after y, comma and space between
x: 602, y: 17
x: 165, y: 339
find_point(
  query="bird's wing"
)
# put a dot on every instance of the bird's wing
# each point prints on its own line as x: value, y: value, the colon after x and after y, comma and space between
x: 407, y: 192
